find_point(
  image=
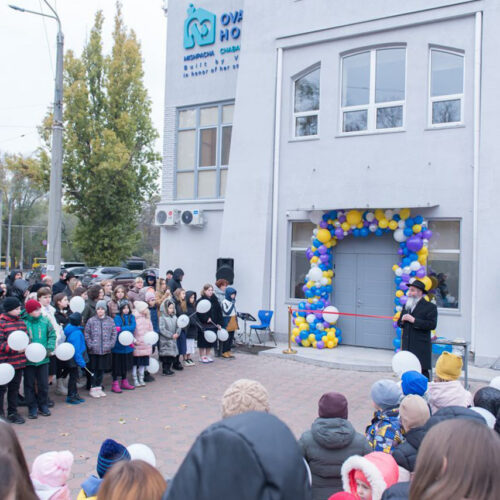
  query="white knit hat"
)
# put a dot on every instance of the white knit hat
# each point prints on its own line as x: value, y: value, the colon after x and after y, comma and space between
x: 140, y: 306
x: 244, y: 395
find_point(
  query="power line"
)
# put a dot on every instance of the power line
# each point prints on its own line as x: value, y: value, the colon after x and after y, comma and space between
x: 47, y: 40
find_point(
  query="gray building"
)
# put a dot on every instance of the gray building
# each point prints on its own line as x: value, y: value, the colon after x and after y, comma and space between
x: 277, y: 110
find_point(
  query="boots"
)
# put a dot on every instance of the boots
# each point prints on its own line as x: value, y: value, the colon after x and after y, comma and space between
x: 126, y: 386
x: 115, y: 387
x: 141, y: 380
x: 136, y: 380
x: 61, y: 389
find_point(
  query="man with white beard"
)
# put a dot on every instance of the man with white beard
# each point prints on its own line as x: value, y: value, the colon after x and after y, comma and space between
x: 417, y: 319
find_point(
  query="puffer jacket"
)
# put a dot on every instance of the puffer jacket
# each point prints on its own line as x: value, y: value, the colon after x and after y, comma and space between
x: 9, y: 324
x: 168, y: 327
x: 443, y: 394
x: 134, y: 294
x: 124, y: 324
x: 41, y: 331
x: 326, y: 446
x: 143, y: 325
x: 398, y: 491
x: 100, y: 335
x: 74, y: 335
x: 385, y: 430
x: 405, y: 453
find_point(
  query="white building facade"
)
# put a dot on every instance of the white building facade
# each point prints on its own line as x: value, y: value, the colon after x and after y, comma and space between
x: 276, y: 110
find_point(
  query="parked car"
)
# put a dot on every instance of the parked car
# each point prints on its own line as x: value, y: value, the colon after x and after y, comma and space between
x: 148, y: 271
x: 126, y: 279
x: 68, y: 265
x: 78, y: 272
x: 101, y: 273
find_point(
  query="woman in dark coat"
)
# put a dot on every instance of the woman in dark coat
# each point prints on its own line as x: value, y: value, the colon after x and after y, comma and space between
x: 210, y: 321
x: 193, y: 328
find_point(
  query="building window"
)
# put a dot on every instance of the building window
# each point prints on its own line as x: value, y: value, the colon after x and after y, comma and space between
x: 306, y: 104
x: 203, y: 146
x: 373, y: 90
x: 446, y: 87
x: 299, y: 265
x: 444, y: 261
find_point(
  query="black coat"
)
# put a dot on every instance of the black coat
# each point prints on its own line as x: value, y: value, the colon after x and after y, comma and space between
x: 398, y: 491
x: 214, y: 313
x: 405, y: 453
x: 416, y: 337
x: 247, y: 457
x: 194, y: 325
x: 175, y: 282
x: 61, y: 287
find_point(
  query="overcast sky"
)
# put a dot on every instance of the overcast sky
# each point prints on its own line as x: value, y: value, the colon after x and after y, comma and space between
x: 28, y: 49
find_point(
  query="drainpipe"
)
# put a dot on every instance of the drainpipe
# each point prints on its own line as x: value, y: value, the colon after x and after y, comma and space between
x: 276, y: 176
x: 477, y: 135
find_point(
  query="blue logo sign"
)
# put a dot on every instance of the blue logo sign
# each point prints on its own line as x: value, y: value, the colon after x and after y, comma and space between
x: 199, y: 27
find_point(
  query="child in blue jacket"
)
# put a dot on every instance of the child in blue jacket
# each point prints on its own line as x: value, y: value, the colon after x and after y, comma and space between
x: 74, y: 335
x: 123, y: 358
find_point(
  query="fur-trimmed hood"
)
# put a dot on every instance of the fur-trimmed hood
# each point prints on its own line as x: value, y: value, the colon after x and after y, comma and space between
x: 380, y: 469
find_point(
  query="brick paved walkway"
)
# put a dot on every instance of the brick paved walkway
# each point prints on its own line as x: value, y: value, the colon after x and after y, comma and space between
x: 169, y: 413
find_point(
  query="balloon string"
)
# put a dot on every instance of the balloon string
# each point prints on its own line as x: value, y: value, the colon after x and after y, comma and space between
x: 316, y: 311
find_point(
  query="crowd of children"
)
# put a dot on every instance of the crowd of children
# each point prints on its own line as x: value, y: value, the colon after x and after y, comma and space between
x: 97, y: 332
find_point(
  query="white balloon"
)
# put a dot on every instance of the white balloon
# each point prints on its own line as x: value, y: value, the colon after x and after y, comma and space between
x: 405, y: 361
x: 370, y: 216
x: 398, y: 272
x: 153, y: 366
x: 65, y: 351
x: 18, y: 340
x: 406, y: 270
x: 151, y: 338
x: 222, y: 335
x: 316, y: 216
x: 373, y: 227
x: 495, y: 382
x: 310, y: 318
x: 203, y: 306
x: 324, y: 281
x: 486, y: 414
x: 401, y: 224
x: 140, y: 451
x: 7, y: 373
x: 399, y: 308
x: 315, y: 274
x: 389, y: 214
x: 210, y: 336
x: 315, y: 231
x: 337, y: 223
x: 183, y: 321
x: 330, y: 314
x: 125, y: 338
x: 35, y: 352
x: 415, y: 265
x: 320, y: 326
x: 399, y: 235
x: 77, y: 304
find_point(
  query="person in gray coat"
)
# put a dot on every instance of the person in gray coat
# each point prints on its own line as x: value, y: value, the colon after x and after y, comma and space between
x: 331, y: 440
x: 169, y: 331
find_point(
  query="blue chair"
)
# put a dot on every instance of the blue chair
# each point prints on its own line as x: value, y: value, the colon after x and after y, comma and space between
x: 265, y: 321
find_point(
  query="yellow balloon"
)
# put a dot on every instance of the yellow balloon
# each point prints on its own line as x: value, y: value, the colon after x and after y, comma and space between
x: 310, y: 284
x: 306, y: 343
x: 394, y: 267
x: 427, y: 282
x: 295, y: 332
x: 328, y: 244
x: 333, y: 242
x: 314, y: 259
x: 383, y: 223
x: 379, y: 214
x: 336, y: 342
x: 353, y: 217
x: 417, y: 228
x: 310, y: 301
x: 333, y: 330
x: 330, y: 344
x: 396, y: 316
x: 404, y: 213
x: 323, y: 235
x: 423, y: 251
x: 313, y: 249
x: 324, y: 338
x: 325, y: 274
x: 311, y: 337
x: 345, y: 226
x: 434, y: 283
x: 330, y: 335
x: 304, y: 327
x: 393, y: 225
x: 399, y: 293
x: 360, y: 225
x: 299, y: 320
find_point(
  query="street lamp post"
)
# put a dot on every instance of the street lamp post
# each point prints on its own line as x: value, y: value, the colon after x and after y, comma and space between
x: 55, y: 195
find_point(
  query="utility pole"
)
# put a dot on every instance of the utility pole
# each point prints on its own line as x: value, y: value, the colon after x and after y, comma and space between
x: 55, y: 195
x: 1, y: 225
x: 21, y: 260
x: 9, y: 230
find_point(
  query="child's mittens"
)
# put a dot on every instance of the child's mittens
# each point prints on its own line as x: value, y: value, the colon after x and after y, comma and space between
x: 118, y: 329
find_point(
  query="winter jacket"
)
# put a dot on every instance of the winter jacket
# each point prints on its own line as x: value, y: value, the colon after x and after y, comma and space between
x: 228, y: 304
x: 219, y: 294
x: 168, y: 328
x: 326, y: 446
x: 194, y: 325
x: 61, y: 287
x: 153, y: 313
x: 405, y: 453
x: 453, y: 412
x: 489, y: 399
x: 89, y: 310
x: 90, y: 487
x: 214, y: 313
x: 175, y: 282
x: 385, y: 430
x: 125, y: 324
x: 50, y: 314
x: 112, y: 308
x: 100, y: 335
x: 9, y: 324
x: 453, y: 393
x: 74, y: 335
x: 134, y: 294
x: 40, y: 331
x: 242, y: 457
x: 143, y: 325
x: 398, y: 491
x: 61, y: 317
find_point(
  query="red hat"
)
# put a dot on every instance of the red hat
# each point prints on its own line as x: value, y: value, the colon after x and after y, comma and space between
x: 32, y: 305
x: 380, y: 470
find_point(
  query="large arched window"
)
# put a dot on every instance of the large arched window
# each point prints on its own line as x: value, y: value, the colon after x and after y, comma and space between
x: 306, y: 104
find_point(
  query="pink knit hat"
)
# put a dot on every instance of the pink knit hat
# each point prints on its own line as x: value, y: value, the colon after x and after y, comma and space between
x: 52, y: 468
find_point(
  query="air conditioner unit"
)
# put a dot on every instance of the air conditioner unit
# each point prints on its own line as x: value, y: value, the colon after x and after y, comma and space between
x: 167, y: 217
x: 193, y: 217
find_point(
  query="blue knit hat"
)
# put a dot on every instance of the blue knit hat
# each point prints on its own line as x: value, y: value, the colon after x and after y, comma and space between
x: 75, y: 319
x: 110, y: 453
x: 386, y: 394
x: 413, y: 382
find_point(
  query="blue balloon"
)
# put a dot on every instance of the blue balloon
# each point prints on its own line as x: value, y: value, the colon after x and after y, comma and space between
x: 333, y: 214
x: 413, y: 256
x: 364, y: 231
x: 408, y: 231
x: 402, y: 244
x: 325, y: 217
x: 398, y: 332
x: 413, y: 273
x: 309, y: 295
x: 319, y: 336
x: 302, y: 305
x: 356, y: 233
x: 409, y: 222
x: 396, y: 301
x: 396, y: 217
x: 418, y: 219
x: 398, y: 280
x: 304, y: 334
x: 396, y: 343
x: 317, y: 243
x: 406, y: 262
x: 379, y: 232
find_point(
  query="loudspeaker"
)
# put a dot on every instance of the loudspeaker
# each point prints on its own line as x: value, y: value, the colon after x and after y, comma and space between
x: 225, y: 269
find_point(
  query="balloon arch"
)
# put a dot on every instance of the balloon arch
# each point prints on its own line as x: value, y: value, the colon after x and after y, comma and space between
x: 315, y: 321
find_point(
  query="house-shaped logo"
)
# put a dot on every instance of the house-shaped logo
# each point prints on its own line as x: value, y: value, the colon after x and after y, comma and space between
x: 199, y: 27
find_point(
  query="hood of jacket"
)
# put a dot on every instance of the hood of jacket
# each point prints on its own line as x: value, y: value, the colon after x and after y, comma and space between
x: 489, y: 399
x: 257, y: 442
x: 443, y: 394
x: 332, y: 433
x: 229, y: 292
x: 415, y: 436
x: 178, y: 274
x: 11, y: 277
x: 189, y: 294
x: 453, y: 412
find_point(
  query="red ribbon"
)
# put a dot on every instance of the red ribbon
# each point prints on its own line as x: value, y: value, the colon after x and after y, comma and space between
x: 316, y: 311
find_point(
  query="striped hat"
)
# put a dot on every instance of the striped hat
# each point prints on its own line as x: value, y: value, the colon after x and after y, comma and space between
x: 110, y: 453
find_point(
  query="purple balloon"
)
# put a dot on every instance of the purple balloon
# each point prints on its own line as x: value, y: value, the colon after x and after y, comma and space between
x: 326, y: 324
x: 421, y: 272
x: 339, y: 232
x: 323, y: 224
x: 394, y: 324
x: 322, y: 249
x: 304, y: 288
x: 403, y: 286
x: 309, y: 254
x: 366, y: 223
x: 414, y: 243
x: 403, y: 300
x: 427, y: 234
x: 319, y: 316
x: 324, y: 258
x: 405, y: 277
x: 320, y: 345
x: 326, y: 303
x: 342, y: 219
x: 400, y: 251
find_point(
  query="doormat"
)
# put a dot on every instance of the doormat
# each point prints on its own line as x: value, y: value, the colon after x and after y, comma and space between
x: 252, y: 349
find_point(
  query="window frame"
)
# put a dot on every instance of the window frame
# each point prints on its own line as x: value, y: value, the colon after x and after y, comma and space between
x: 443, y: 98
x: 218, y: 154
x: 300, y: 114
x: 372, y: 106
x: 450, y: 310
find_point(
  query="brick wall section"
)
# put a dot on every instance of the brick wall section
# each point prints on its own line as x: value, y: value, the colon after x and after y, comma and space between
x: 167, y: 189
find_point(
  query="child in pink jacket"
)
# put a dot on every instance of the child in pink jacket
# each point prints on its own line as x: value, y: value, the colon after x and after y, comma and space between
x: 50, y: 473
x: 142, y: 351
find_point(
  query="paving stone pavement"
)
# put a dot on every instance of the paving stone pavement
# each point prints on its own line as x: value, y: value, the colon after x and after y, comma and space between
x: 168, y: 414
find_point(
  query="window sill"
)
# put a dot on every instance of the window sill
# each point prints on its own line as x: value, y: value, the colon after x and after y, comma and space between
x: 304, y: 138
x: 377, y: 132
x: 442, y: 127
x: 447, y: 311
x: 198, y: 201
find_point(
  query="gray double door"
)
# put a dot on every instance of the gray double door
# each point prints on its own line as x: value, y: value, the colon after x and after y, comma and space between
x: 364, y: 284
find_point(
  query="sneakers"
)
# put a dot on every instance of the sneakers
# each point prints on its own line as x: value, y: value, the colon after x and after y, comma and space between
x: 227, y: 355
x: 140, y: 382
x: 73, y: 400
x: 45, y: 412
x: 15, y: 418
x: 178, y: 367
x: 189, y: 362
x: 206, y: 359
x: 148, y: 377
x: 33, y: 414
x: 210, y: 360
x: 95, y: 392
x: 168, y: 372
x: 126, y: 385
x: 115, y: 387
x: 102, y: 394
